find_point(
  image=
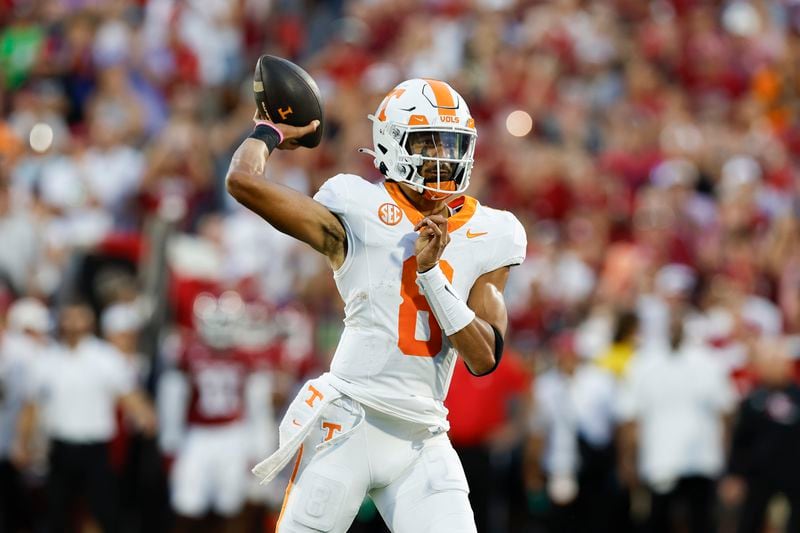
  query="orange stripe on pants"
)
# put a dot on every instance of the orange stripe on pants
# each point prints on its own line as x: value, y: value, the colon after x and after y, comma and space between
x: 289, y: 487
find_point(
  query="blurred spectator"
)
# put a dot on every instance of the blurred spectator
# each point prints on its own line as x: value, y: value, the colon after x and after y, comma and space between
x: 619, y: 356
x: 571, y: 451
x: 74, y: 388
x: 209, y: 420
x: 782, y: 263
x: 559, y: 273
x: 763, y: 461
x: 487, y: 423
x: 121, y: 324
x: 111, y: 170
x: 116, y: 105
x: 179, y: 161
x: 671, y: 295
x: 21, y: 344
x: 134, y: 455
x: 675, y: 404
x: 21, y: 44
x: 18, y: 234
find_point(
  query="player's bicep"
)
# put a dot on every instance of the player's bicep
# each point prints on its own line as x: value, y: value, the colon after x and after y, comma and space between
x: 486, y: 298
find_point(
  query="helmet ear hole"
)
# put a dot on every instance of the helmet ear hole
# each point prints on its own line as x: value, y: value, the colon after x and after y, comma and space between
x: 382, y: 148
x: 383, y: 168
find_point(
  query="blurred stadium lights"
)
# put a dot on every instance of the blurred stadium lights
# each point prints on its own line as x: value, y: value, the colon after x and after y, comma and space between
x: 41, y: 137
x: 519, y: 123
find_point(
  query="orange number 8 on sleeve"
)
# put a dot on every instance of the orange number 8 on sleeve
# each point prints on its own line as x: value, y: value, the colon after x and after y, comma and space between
x: 413, y: 302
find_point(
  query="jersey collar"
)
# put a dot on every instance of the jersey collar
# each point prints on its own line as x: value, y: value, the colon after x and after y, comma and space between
x: 463, y: 206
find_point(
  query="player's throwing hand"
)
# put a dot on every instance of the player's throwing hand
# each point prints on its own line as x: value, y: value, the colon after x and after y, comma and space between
x: 431, y: 242
x: 289, y: 135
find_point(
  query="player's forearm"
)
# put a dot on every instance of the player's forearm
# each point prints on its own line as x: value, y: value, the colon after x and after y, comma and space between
x: 26, y: 424
x: 475, y: 343
x: 474, y: 328
x: 532, y: 460
x: 245, y: 179
x: 139, y: 408
x: 627, y: 453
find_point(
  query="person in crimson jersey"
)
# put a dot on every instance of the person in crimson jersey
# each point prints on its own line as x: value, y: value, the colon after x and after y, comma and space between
x: 214, y: 407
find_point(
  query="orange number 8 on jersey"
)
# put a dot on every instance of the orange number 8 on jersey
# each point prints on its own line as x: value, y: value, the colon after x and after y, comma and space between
x: 413, y: 303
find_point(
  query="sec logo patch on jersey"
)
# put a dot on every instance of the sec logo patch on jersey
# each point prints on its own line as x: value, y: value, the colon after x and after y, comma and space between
x: 390, y: 214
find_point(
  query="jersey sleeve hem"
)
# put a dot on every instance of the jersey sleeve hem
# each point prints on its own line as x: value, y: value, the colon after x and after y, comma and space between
x: 335, y: 196
x: 508, y: 262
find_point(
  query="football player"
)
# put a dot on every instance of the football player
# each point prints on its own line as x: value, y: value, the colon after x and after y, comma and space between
x: 210, y: 415
x: 421, y: 268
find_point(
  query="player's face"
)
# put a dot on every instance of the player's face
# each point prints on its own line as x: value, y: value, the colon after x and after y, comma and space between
x: 125, y: 341
x: 76, y: 321
x: 434, y: 147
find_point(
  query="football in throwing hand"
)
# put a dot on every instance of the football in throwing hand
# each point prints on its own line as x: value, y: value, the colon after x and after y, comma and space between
x: 285, y: 93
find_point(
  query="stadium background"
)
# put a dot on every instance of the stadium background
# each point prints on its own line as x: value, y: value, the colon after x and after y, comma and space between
x: 650, y: 148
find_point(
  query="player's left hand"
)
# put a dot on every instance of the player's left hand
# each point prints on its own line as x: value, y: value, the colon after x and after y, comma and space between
x: 431, y: 242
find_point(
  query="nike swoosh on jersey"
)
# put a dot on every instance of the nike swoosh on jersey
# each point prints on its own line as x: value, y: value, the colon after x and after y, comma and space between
x: 471, y: 235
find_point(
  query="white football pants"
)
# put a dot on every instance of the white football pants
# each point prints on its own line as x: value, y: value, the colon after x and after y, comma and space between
x: 414, y: 477
x: 211, y: 471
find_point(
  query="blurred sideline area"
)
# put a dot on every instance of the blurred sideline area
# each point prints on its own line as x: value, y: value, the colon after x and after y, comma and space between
x: 650, y: 147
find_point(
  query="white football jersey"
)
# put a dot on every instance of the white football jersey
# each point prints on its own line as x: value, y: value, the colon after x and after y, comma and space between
x: 392, y: 355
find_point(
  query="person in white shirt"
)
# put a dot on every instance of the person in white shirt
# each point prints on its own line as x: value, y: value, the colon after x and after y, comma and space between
x: 570, y: 453
x: 121, y: 324
x: 141, y: 477
x: 75, y: 387
x: 675, y: 403
x: 23, y: 340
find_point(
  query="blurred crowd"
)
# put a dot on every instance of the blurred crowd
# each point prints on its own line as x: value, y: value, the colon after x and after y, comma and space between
x: 152, y: 331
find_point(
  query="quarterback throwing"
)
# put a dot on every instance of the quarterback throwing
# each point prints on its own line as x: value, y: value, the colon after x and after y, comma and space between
x: 421, y: 268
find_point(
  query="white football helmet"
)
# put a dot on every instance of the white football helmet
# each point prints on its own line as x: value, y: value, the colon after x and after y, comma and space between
x: 217, y: 320
x: 424, y: 136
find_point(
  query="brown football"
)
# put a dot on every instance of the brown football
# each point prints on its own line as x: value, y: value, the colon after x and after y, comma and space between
x: 285, y: 93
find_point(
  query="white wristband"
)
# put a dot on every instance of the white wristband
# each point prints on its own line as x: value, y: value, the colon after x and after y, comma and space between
x: 451, y: 312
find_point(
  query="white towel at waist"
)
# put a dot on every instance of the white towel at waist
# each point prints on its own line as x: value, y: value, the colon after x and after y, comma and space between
x: 301, y: 417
